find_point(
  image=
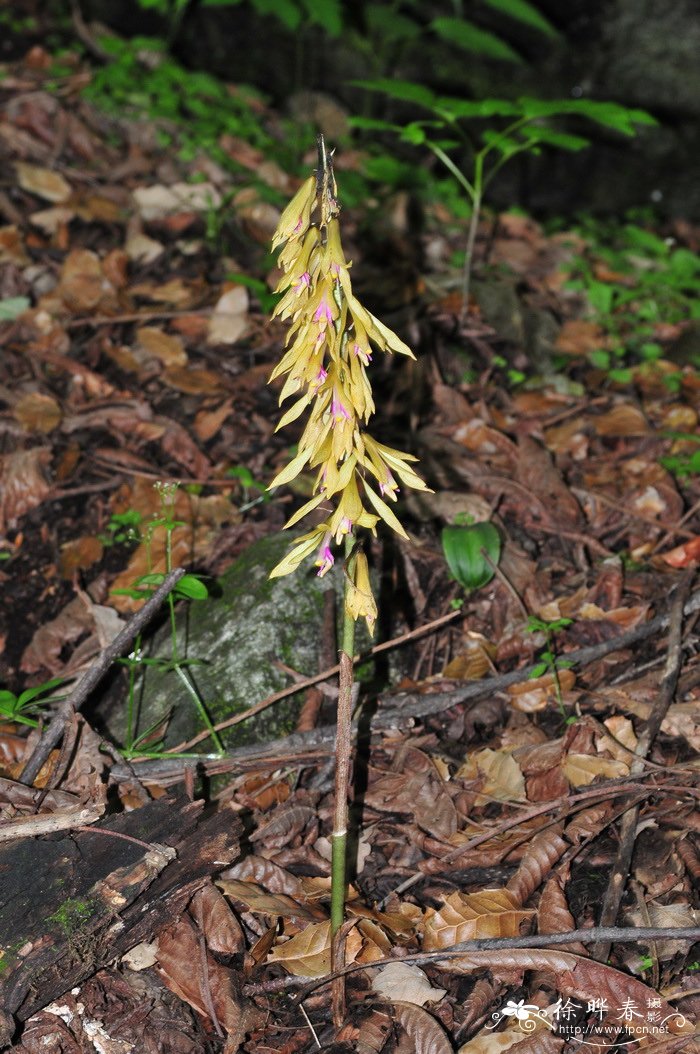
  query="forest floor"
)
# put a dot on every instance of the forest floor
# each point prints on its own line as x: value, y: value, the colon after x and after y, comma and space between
x: 540, y: 764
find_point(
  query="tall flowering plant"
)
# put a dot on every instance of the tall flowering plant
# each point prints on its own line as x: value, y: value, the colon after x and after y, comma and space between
x: 330, y: 344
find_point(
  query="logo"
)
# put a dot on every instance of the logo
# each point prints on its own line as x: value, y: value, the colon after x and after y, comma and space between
x: 594, y: 1023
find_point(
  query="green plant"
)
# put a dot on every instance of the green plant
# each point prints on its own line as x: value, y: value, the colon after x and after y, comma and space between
x: 549, y: 661
x: 189, y: 587
x: 523, y: 126
x: 472, y: 552
x: 332, y: 338
x: 189, y: 108
x: 685, y: 464
x: 291, y: 13
x: 17, y: 707
x: 122, y: 528
x: 248, y: 485
x: 646, y: 281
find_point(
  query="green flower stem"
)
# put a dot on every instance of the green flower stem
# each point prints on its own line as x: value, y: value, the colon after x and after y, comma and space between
x: 343, y: 754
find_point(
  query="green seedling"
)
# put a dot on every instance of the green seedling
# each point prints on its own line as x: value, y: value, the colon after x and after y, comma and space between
x: 122, y: 529
x: 18, y: 707
x: 472, y: 552
x: 513, y: 127
x: 549, y: 661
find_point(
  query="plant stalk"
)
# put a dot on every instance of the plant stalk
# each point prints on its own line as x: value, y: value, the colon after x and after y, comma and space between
x: 343, y: 754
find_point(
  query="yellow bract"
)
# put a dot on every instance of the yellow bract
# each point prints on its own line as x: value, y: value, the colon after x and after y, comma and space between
x: 330, y: 342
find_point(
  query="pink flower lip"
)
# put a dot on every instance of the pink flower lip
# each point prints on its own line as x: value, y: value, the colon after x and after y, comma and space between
x: 304, y: 282
x: 338, y: 410
x: 325, y: 561
x: 389, y: 485
x: 323, y: 312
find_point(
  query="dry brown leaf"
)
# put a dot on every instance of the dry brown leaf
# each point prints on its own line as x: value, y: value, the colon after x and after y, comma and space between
x: 553, y: 915
x: 418, y: 791
x: 23, y: 485
x: 157, y: 201
x: 208, y: 423
x: 193, y: 380
x: 182, y: 963
x: 536, y: 471
x: 582, y: 769
x: 372, y: 1033
x: 214, y: 918
x: 490, y: 1042
x: 46, y: 184
x: 176, y: 292
x: 406, y: 983
x: 229, y: 319
x: 162, y: 346
x: 285, y: 824
x: 623, y: 420
x: 83, y: 285
x: 426, y: 1034
x: 530, y: 696
x: 308, y: 954
x: 540, y: 856
x: 466, y: 916
x: 473, y: 661
x: 579, y: 337
x: 37, y: 412
x: 621, y: 732
x: 540, y: 1042
x: 503, y: 779
x: 665, y: 916
x: 142, y: 249
x: 256, y: 898
x: 266, y: 873
x: 79, y: 554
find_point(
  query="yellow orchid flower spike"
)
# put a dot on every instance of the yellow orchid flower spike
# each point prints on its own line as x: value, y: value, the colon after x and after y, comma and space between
x: 332, y: 340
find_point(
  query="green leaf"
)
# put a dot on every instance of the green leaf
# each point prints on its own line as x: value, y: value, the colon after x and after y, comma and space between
x: 463, y: 546
x: 325, y: 13
x: 40, y: 689
x: 454, y: 109
x: 639, y: 238
x: 525, y: 13
x: 12, y: 307
x: 413, y: 133
x: 609, y: 114
x: 405, y: 91
x: 373, y: 124
x: 560, y: 140
x: 191, y: 587
x: 390, y: 25
x: 470, y: 38
x: 538, y: 670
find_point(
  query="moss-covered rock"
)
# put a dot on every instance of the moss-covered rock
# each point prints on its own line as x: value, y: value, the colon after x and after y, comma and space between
x: 236, y: 636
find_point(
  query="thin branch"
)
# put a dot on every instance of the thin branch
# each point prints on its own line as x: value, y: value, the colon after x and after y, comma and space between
x: 617, y: 934
x: 92, y: 677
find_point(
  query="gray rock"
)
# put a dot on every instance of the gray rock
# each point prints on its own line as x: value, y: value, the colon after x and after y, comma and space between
x: 237, y: 636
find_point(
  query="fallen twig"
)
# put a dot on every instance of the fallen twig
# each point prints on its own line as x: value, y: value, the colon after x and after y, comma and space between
x: 617, y: 934
x: 92, y: 677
